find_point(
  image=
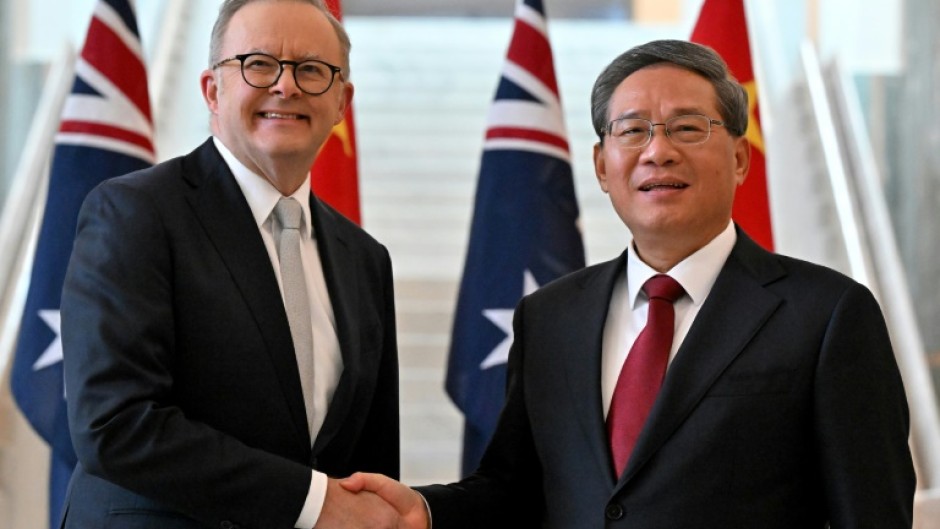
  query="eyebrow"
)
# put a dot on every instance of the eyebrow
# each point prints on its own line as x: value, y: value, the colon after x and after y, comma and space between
x: 308, y: 57
x: 682, y: 111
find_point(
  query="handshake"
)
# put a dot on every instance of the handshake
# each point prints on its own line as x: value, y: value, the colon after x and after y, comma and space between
x: 372, y: 501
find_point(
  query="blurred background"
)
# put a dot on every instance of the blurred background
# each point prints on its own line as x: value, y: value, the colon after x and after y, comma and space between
x: 848, y: 95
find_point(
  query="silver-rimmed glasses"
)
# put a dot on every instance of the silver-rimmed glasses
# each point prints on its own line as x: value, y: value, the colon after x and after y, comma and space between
x: 636, y: 133
x: 261, y: 70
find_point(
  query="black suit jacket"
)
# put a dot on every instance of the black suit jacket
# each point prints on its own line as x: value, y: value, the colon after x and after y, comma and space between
x: 184, y: 398
x: 783, y: 408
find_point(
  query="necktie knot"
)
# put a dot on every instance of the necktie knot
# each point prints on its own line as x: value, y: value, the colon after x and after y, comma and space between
x: 288, y: 213
x: 663, y: 287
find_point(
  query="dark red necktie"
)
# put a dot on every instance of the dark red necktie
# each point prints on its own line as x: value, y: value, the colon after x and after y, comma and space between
x: 643, y: 372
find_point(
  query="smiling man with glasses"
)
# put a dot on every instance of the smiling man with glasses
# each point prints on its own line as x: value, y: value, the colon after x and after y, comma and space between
x: 696, y: 380
x: 229, y: 339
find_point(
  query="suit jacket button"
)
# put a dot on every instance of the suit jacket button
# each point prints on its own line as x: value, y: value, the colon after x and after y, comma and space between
x: 613, y: 512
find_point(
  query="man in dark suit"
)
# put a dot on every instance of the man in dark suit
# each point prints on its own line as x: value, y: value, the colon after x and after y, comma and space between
x: 781, y: 406
x: 199, y: 395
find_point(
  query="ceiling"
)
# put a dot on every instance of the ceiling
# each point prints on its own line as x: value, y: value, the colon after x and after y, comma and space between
x: 486, y: 8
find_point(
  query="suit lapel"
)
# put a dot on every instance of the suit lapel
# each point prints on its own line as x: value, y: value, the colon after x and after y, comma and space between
x: 583, y: 363
x: 737, y: 307
x: 342, y: 280
x: 221, y: 208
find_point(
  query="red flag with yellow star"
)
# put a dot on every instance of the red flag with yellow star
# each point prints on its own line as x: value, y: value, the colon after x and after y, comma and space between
x: 722, y: 25
x: 335, y: 173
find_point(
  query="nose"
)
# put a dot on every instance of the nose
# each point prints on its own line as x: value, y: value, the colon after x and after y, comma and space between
x: 660, y: 150
x: 286, y: 85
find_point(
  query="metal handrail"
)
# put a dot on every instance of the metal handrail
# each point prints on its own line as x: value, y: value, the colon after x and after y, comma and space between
x: 859, y: 266
x: 891, y: 277
x: 169, y: 48
x: 866, y: 225
x: 27, y: 193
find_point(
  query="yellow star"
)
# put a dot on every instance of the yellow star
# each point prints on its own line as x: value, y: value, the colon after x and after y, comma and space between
x: 341, y: 131
x: 753, y: 133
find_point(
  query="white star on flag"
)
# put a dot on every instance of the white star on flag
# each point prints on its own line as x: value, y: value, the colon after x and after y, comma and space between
x: 53, y: 354
x: 502, y: 318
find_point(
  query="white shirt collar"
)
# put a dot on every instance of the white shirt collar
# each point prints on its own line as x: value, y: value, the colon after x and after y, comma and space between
x: 696, y: 273
x: 261, y: 195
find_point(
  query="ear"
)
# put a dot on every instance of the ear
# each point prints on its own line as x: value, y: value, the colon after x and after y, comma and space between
x: 742, y: 159
x: 210, y: 90
x: 345, y: 100
x: 600, y: 166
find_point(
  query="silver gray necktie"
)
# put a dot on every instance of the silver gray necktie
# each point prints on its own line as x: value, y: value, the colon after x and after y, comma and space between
x: 288, y: 215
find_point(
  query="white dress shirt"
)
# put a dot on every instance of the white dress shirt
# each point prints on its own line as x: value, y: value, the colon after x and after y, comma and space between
x: 629, y: 306
x: 262, y: 196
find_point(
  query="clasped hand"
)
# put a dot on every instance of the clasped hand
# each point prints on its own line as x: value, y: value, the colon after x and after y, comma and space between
x: 372, y: 501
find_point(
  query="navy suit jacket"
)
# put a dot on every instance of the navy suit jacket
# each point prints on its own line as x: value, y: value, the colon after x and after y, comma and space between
x: 184, y: 399
x: 783, y: 408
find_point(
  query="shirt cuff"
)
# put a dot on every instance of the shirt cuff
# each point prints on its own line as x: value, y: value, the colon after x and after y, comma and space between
x: 314, y: 503
x: 427, y: 509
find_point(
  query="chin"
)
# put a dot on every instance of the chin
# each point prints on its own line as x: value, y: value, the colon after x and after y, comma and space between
x: 292, y: 148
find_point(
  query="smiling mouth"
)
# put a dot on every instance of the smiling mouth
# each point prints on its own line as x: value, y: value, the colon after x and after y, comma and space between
x: 279, y: 115
x: 651, y: 187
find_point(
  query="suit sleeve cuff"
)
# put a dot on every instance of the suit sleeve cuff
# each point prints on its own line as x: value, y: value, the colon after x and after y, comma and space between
x: 314, y: 503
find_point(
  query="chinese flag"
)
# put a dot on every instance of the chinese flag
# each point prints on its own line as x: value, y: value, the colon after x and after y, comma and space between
x: 335, y: 174
x: 723, y: 27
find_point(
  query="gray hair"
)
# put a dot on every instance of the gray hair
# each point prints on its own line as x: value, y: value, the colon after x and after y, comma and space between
x: 732, y: 99
x: 229, y: 7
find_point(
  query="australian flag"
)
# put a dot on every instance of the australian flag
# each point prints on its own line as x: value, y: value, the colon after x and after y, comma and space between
x: 525, y: 226
x: 106, y: 130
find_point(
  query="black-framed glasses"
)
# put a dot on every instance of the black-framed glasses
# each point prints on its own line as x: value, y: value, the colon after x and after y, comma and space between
x: 636, y: 133
x: 261, y: 70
